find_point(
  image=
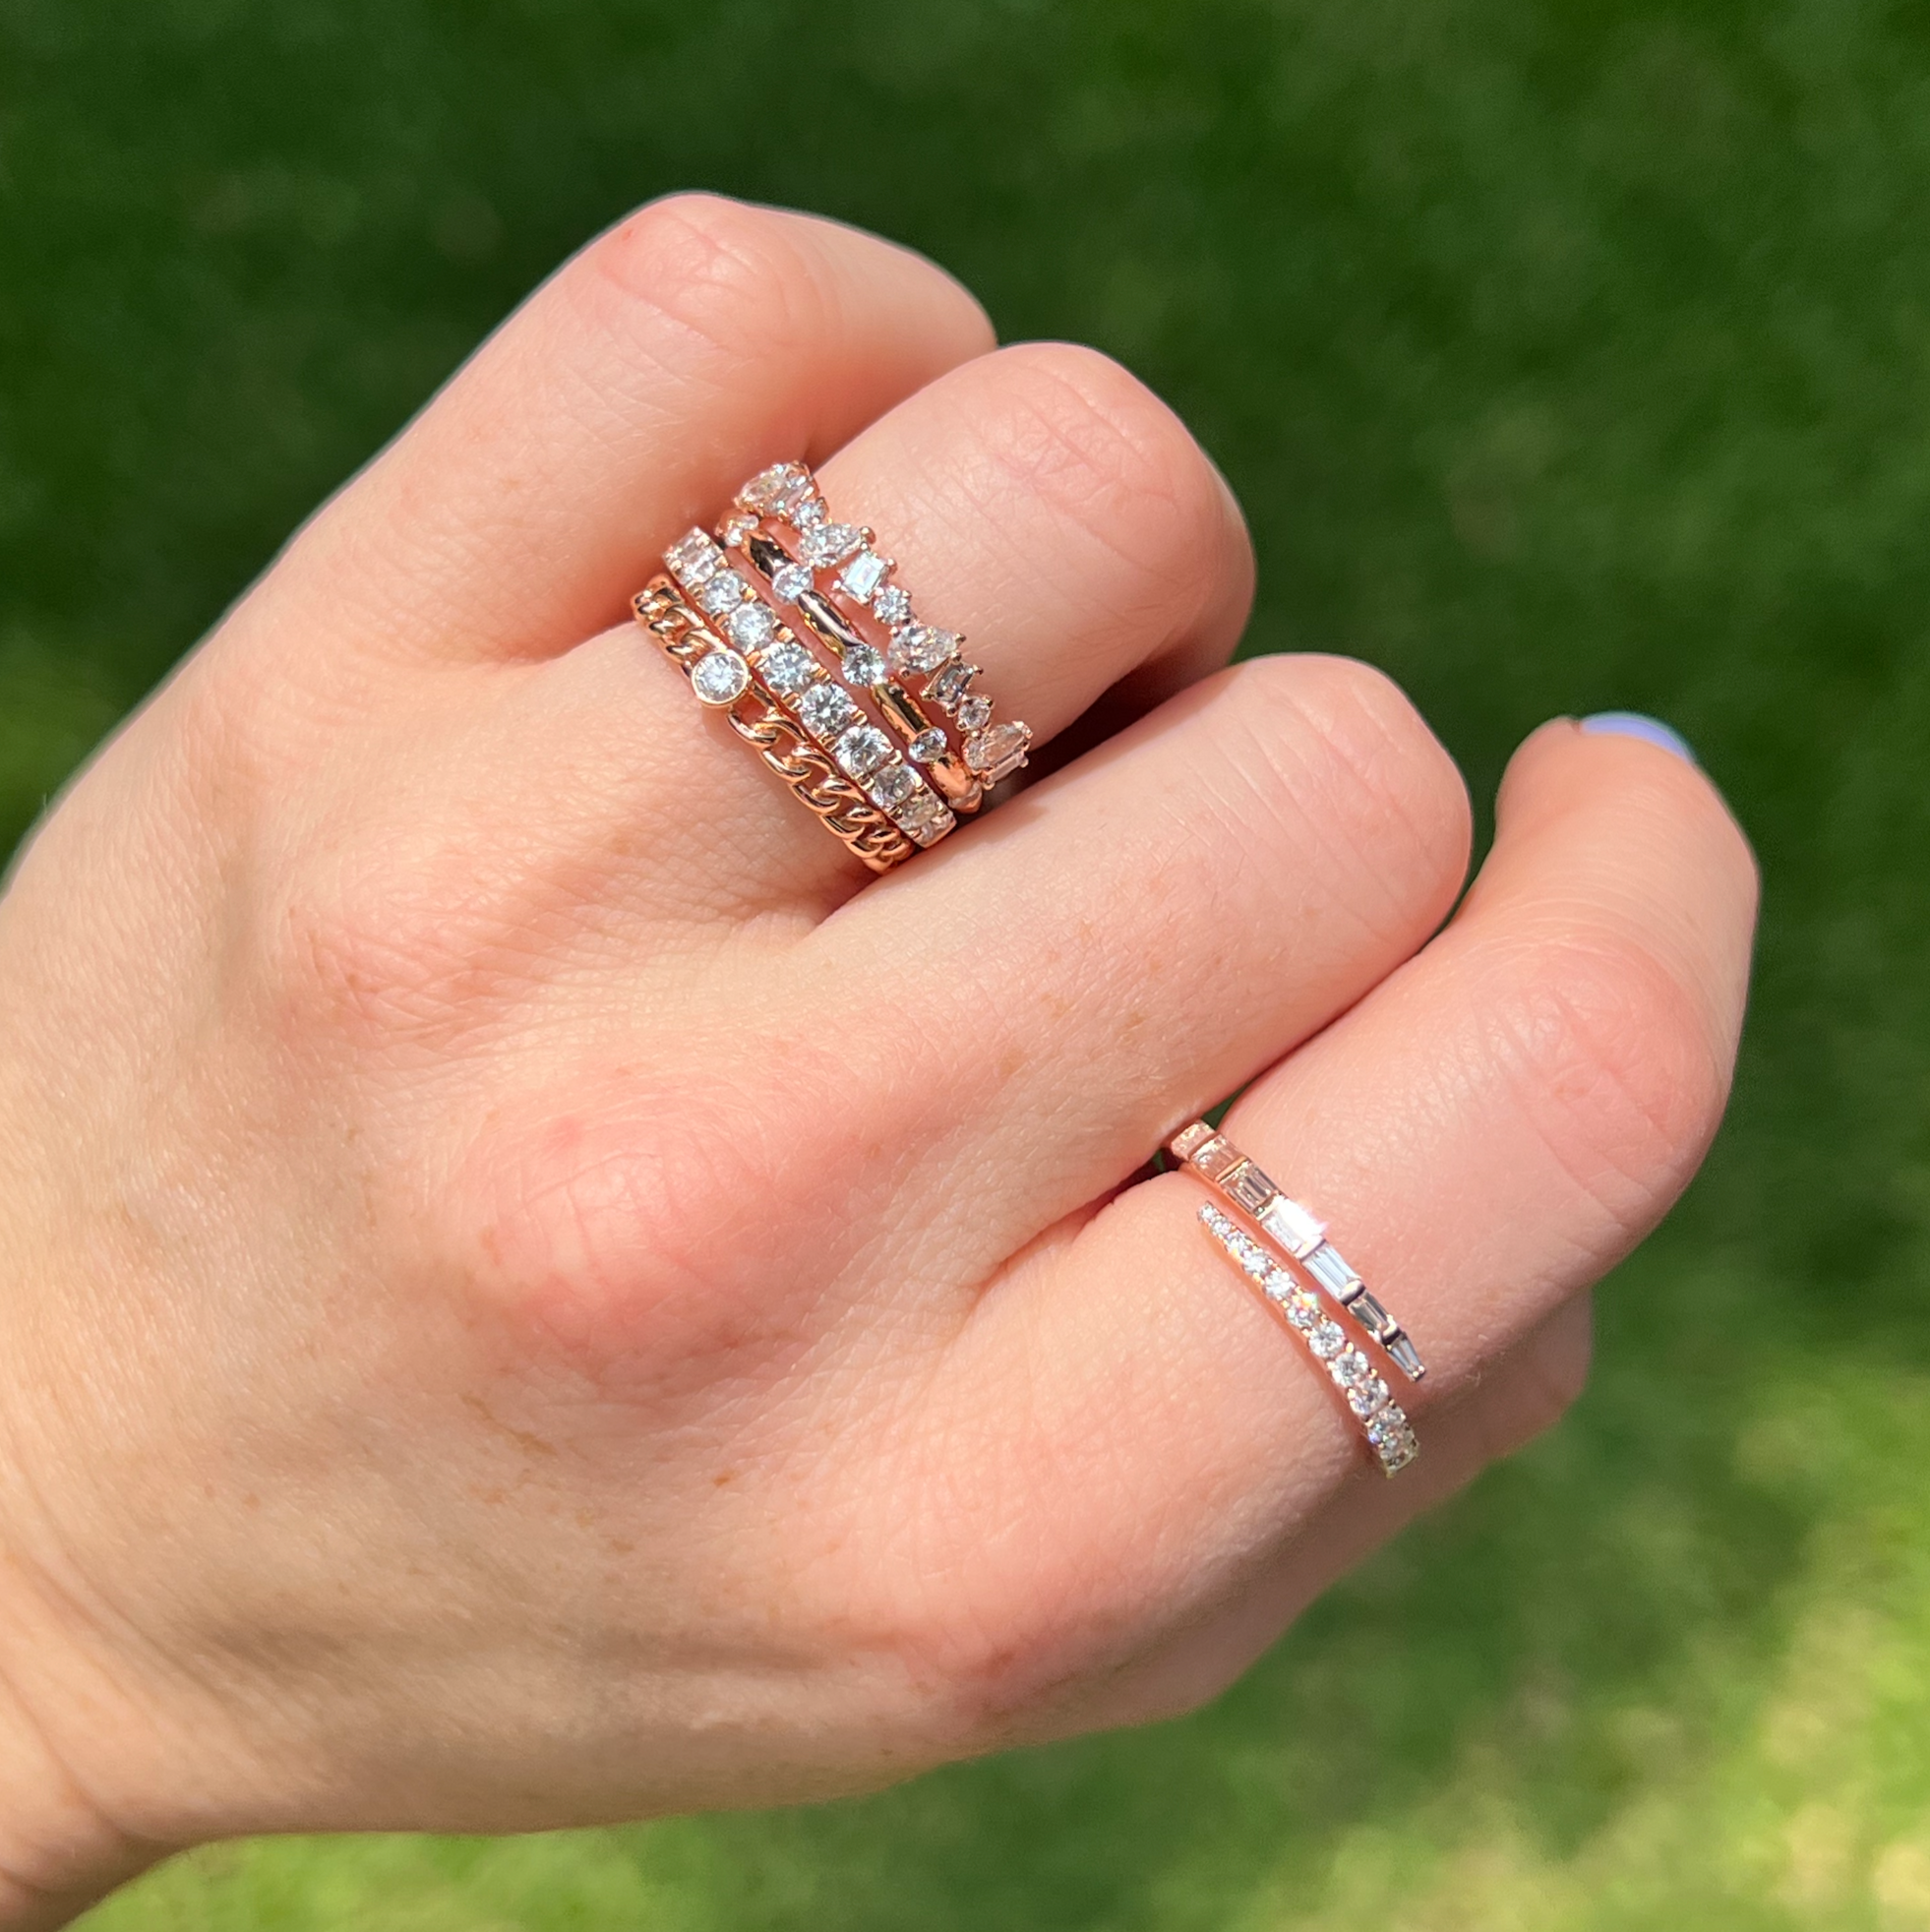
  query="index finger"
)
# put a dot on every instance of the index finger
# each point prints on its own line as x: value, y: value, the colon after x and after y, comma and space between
x: 625, y: 399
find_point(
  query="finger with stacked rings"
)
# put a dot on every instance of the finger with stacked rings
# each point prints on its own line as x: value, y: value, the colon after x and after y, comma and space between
x: 782, y: 526
x: 1302, y: 1239
x: 751, y: 644
x: 722, y: 680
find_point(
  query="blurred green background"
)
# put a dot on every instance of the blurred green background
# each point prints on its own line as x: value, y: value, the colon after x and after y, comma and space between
x: 1565, y: 356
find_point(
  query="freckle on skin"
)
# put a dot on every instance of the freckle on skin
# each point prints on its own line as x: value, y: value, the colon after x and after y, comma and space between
x: 729, y: 1476
x: 531, y: 1445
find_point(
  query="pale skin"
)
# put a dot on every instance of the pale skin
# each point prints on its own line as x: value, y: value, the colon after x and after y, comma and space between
x: 536, y: 1291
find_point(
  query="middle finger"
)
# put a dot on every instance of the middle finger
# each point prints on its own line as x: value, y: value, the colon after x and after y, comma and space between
x: 1042, y: 502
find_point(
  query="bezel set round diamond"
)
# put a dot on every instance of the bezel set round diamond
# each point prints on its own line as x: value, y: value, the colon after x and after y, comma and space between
x: 1302, y: 1275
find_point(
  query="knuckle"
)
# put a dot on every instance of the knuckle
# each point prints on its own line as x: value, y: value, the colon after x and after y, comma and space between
x: 661, y: 1224
x: 730, y: 274
x: 1334, y: 753
x: 1094, y: 448
x: 371, y: 951
x: 1611, y: 1061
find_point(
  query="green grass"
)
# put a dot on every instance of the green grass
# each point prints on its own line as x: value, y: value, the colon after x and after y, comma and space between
x: 1565, y: 356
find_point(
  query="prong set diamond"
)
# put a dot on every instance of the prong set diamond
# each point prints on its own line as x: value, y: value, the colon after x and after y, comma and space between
x: 752, y: 640
x: 1299, y: 1236
x: 1385, y: 1422
x: 787, y: 494
x: 1215, y: 1159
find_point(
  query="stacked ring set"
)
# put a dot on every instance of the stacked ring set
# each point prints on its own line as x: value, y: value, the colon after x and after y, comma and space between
x: 794, y: 627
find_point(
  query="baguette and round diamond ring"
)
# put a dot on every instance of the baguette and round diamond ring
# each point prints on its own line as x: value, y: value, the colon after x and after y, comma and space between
x: 1285, y: 1251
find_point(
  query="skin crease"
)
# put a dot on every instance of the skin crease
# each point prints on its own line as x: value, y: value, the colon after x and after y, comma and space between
x: 535, y: 1293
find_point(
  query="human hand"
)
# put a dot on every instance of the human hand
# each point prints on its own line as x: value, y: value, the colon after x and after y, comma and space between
x: 538, y: 1292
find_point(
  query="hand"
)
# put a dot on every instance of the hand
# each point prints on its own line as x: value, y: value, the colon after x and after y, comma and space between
x: 535, y: 1291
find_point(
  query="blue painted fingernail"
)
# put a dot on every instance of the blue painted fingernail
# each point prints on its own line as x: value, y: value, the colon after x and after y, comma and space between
x: 1632, y: 724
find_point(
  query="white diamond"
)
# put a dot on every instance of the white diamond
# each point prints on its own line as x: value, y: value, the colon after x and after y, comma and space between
x: 786, y: 669
x: 1327, y: 1339
x: 862, y: 574
x: 1291, y: 1226
x: 791, y: 581
x: 918, y: 647
x: 751, y: 626
x: 774, y: 489
x: 720, y: 677
x: 997, y: 754
x: 1280, y: 1285
x: 1364, y: 1398
x: 825, y: 710
x: 692, y: 559
x: 808, y: 512
x: 1351, y: 1365
x: 1303, y: 1311
x: 894, y: 785
x: 1406, y: 1357
x: 928, y: 747
x: 926, y: 817
x: 862, y: 749
x: 829, y: 543
x: 724, y: 590
x: 1254, y: 1259
x: 1329, y: 1270
x: 865, y: 666
x: 892, y: 604
x: 975, y: 714
x: 950, y: 684
x: 1390, y: 1425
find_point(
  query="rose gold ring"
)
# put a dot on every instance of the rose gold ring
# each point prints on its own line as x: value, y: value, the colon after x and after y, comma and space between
x: 757, y: 646
x: 781, y: 525
x: 1289, y: 1239
x: 723, y: 680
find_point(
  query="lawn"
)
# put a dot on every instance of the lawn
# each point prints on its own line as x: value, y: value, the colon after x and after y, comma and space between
x: 1565, y: 357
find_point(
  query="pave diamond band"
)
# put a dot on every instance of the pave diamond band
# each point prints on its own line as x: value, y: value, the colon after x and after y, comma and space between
x: 724, y: 680
x: 831, y: 572
x: 1383, y: 1421
x: 1299, y: 1237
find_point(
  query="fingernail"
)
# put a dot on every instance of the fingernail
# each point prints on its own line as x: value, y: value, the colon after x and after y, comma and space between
x: 1632, y: 724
